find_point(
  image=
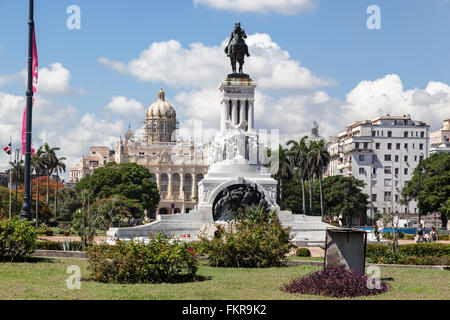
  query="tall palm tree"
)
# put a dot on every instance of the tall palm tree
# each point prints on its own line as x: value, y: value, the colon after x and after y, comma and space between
x: 50, y: 164
x: 39, y: 166
x: 59, y: 166
x: 299, y: 152
x: 285, y: 167
x: 319, y: 158
x: 18, y: 171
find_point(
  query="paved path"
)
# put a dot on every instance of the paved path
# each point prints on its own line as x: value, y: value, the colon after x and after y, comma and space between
x: 97, y: 239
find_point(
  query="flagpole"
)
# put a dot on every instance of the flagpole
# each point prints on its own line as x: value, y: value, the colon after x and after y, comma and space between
x: 10, y: 177
x: 26, y: 209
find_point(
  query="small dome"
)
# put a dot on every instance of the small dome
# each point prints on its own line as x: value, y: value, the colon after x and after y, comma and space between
x: 161, y: 109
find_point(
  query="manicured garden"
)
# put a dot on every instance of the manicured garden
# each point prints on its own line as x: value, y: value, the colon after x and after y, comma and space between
x: 47, y: 280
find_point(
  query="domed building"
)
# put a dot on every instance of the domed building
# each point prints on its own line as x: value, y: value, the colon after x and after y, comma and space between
x: 160, y: 120
x: 177, y: 166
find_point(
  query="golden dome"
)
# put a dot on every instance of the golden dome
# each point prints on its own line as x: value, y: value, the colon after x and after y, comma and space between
x: 161, y: 109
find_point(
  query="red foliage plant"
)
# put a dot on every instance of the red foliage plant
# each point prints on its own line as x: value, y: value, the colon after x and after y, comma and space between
x: 336, y: 283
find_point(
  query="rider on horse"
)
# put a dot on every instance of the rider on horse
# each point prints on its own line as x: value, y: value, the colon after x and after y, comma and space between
x: 237, y: 38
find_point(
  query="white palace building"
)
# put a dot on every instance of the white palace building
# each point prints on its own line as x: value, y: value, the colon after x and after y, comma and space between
x: 177, y: 166
x: 383, y: 153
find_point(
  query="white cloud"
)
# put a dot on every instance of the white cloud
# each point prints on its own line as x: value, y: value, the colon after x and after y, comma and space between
x: 203, y: 66
x: 54, y: 80
x: 128, y: 109
x: 370, y: 99
x: 285, y: 7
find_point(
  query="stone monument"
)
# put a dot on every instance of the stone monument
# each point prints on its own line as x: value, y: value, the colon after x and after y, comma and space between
x: 237, y: 177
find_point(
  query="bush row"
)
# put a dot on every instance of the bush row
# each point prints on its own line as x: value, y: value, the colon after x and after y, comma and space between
x: 418, y: 250
x: 17, y: 239
x: 158, y: 261
x: 425, y: 261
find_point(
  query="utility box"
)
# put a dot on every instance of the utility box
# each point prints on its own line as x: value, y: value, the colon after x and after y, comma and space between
x: 346, y: 247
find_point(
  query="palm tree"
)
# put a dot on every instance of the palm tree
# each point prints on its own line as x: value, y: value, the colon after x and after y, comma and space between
x: 284, y: 172
x: 318, y: 158
x: 59, y: 166
x: 299, y: 152
x: 38, y: 165
x: 50, y: 164
x: 17, y: 170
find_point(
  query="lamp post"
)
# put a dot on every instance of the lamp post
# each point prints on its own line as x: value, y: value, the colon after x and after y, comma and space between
x: 26, y: 209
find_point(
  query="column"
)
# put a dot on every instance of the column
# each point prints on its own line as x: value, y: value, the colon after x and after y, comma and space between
x: 251, y: 114
x: 234, y: 111
x: 224, y: 115
x: 194, y: 184
x: 242, y: 111
x: 158, y: 179
x: 169, y: 187
x: 182, y: 185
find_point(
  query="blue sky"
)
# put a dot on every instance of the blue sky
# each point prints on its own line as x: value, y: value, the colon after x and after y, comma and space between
x: 331, y: 41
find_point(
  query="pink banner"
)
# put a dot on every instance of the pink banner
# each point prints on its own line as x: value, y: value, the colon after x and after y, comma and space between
x: 35, y: 81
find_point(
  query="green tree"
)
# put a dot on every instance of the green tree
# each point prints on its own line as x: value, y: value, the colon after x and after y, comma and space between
x: 343, y: 195
x: 118, y: 208
x: 434, y: 186
x: 17, y: 172
x: 284, y: 170
x: 299, y: 152
x: 59, y: 166
x: 69, y: 202
x: 129, y: 180
x: 318, y: 160
x: 50, y: 160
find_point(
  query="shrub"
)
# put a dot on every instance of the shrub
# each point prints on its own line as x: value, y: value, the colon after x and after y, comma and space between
x: 254, y: 241
x: 426, y: 261
x: 158, y: 261
x: 336, y: 283
x: 17, y: 239
x: 379, y: 253
x: 48, y: 245
x: 303, y: 252
x: 426, y: 249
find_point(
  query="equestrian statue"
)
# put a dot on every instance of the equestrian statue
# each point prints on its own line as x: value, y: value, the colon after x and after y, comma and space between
x: 237, y: 49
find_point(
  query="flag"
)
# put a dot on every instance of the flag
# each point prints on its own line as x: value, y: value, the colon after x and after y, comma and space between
x: 8, y: 149
x: 35, y: 81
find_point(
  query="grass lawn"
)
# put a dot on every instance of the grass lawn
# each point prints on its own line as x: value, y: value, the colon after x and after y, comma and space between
x: 46, y: 280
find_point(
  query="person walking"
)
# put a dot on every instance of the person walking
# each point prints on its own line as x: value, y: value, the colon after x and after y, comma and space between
x: 433, y: 235
x: 420, y: 233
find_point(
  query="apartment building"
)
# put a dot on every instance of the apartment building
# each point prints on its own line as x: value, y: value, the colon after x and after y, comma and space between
x: 383, y: 153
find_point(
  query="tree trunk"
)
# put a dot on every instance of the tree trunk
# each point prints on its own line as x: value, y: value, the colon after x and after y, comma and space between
x: 56, y: 197
x: 311, y: 210
x: 37, y: 203
x: 281, y: 193
x: 16, y: 195
x: 48, y: 187
x: 303, y: 196
x: 321, y: 197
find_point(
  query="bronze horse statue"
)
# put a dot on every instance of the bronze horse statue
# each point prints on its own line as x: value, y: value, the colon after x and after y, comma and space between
x: 237, y: 49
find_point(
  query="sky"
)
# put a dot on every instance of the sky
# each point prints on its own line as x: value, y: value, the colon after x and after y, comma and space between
x: 313, y: 60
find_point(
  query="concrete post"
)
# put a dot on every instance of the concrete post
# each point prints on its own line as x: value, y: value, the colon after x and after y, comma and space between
x: 234, y: 114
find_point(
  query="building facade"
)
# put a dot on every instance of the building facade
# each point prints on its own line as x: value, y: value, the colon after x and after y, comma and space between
x: 440, y: 140
x: 176, y: 166
x: 383, y: 153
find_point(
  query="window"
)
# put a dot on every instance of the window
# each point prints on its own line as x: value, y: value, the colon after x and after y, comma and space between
x: 387, y: 157
x: 396, y: 158
x: 387, y: 182
x: 374, y: 197
x: 405, y: 171
x: 361, y: 157
x: 357, y: 145
x: 406, y: 158
x: 374, y: 158
x: 366, y: 145
x: 389, y: 134
x: 389, y: 146
x: 406, y: 146
x: 415, y: 158
x: 421, y: 146
x: 422, y: 134
x: 396, y: 171
x: 396, y: 198
x: 361, y: 170
x: 377, y: 146
x: 397, y: 146
x: 373, y: 133
x: 388, y: 170
x: 405, y: 134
